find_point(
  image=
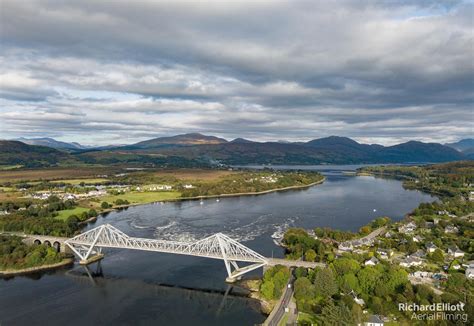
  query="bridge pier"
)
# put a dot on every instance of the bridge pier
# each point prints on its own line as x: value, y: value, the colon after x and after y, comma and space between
x: 91, y: 259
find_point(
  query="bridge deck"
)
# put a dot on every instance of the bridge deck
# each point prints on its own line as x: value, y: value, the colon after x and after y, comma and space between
x: 293, y: 263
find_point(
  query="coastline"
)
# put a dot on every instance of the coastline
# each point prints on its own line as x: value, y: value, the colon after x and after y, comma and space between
x: 42, y: 268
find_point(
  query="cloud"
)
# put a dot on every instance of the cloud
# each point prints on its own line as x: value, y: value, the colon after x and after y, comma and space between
x: 103, y: 71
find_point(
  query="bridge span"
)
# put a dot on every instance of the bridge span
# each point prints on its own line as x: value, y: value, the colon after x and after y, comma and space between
x: 88, y: 247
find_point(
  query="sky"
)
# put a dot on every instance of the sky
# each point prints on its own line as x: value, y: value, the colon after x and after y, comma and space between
x: 118, y: 72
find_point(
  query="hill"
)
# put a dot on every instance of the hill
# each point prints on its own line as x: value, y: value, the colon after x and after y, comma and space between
x: 464, y: 145
x: 18, y: 153
x: 50, y: 142
x: 179, y: 140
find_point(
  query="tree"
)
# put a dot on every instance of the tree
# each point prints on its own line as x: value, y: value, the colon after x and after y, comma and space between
x: 325, y: 283
x: 349, y: 282
x: 105, y: 205
x: 267, y: 288
x: 310, y: 255
x: 437, y: 256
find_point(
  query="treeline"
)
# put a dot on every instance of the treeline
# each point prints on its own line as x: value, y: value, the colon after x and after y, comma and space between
x: 446, y: 180
x: 252, y: 182
x: 39, y: 218
x: 14, y: 254
x: 274, y: 282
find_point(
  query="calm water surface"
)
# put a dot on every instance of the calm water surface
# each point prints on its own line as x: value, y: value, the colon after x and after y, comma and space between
x: 135, y: 287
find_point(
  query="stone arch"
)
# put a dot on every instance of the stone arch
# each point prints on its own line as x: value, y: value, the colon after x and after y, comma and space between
x: 37, y: 242
x: 47, y: 243
x: 57, y: 246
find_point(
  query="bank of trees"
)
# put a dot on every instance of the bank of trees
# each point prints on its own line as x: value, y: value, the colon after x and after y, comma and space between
x: 14, y: 254
x: 274, y: 281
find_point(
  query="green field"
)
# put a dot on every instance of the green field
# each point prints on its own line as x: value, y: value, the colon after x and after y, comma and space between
x: 63, y: 215
x: 79, y: 181
x: 143, y: 197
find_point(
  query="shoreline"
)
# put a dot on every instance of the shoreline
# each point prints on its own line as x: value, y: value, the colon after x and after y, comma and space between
x: 239, y: 194
x: 30, y: 270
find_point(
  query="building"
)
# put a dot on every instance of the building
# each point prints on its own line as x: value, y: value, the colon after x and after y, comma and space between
x: 470, y: 271
x: 407, y: 228
x: 417, y: 238
x: 371, y: 262
x: 188, y: 186
x: 455, y: 252
x: 431, y: 247
x: 451, y: 229
x: 345, y: 246
x: 385, y: 253
x: 374, y: 320
x: 411, y: 261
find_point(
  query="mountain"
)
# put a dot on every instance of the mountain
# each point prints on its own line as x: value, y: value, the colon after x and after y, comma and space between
x: 415, y: 151
x: 330, y: 150
x: 15, y: 152
x: 463, y: 145
x: 50, y: 142
x: 241, y: 141
x: 178, y: 140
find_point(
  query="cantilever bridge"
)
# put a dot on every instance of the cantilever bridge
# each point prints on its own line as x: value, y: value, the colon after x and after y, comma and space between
x: 218, y: 246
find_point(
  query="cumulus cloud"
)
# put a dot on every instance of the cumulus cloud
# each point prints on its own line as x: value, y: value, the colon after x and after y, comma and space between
x: 101, y: 72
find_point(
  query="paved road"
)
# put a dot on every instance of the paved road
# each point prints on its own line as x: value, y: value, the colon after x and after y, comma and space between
x: 279, y: 310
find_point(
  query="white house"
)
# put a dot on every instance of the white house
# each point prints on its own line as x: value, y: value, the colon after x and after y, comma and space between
x: 371, y: 262
x: 431, y: 247
x: 411, y: 261
x: 188, y: 186
x: 455, y: 252
x: 345, y: 246
x: 374, y: 320
x: 470, y: 271
x: 407, y: 228
x: 385, y: 253
x: 451, y: 229
x: 417, y: 238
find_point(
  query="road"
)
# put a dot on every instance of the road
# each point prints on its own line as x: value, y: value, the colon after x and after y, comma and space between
x: 279, y: 310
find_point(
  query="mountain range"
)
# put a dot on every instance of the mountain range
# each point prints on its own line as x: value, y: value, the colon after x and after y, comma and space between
x: 195, y: 149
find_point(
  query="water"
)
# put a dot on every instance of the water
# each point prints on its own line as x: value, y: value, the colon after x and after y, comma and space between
x: 144, y: 288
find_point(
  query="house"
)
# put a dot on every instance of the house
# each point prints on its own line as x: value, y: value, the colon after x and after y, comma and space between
x: 470, y: 271
x: 188, y: 186
x: 431, y: 247
x: 407, y: 228
x: 422, y: 274
x: 374, y: 320
x: 411, y: 261
x: 371, y: 262
x: 385, y: 253
x: 429, y: 225
x: 451, y: 229
x: 345, y: 246
x: 357, y: 300
x: 455, y: 252
x: 417, y: 238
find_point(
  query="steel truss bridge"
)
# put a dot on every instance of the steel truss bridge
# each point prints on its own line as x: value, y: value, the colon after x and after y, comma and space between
x: 218, y: 246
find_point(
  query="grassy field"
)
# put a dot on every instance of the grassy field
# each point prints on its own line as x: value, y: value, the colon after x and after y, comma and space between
x: 52, y: 174
x: 195, y: 174
x: 79, y: 181
x: 63, y: 215
x: 143, y: 197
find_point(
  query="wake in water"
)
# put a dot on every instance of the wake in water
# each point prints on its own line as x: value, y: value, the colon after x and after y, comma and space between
x: 175, y: 229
